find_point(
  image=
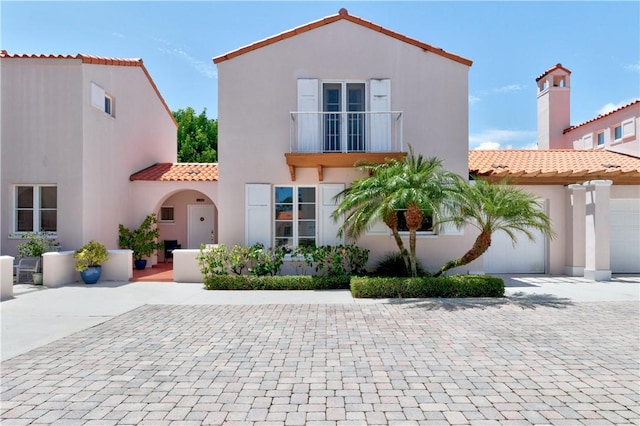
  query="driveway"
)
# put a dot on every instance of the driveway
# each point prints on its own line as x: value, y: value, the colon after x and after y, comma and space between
x: 169, y: 353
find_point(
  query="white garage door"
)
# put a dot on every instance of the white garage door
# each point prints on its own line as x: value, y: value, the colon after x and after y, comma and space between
x: 526, y: 257
x: 625, y: 236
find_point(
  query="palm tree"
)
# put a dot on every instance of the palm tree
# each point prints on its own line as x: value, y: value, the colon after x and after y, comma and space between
x: 416, y: 185
x: 490, y: 208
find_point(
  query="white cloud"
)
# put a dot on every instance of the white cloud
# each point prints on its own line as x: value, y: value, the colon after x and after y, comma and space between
x: 633, y: 67
x: 610, y: 106
x: 205, y: 68
x: 508, y: 89
x: 473, y: 99
x: 503, y: 139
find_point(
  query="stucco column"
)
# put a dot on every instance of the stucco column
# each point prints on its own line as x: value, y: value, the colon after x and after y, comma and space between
x: 575, y: 230
x: 597, y: 241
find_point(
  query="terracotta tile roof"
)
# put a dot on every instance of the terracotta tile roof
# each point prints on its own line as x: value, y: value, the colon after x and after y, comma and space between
x: 97, y: 60
x: 342, y: 14
x: 178, y: 172
x: 554, y: 166
x: 636, y: 102
x: 553, y: 68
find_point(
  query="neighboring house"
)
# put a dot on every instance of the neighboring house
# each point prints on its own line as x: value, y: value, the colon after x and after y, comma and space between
x: 299, y: 109
x: 73, y: 131
x: 588, y: 178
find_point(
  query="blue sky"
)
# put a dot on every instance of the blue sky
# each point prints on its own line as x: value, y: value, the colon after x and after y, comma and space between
x: 511, y: 43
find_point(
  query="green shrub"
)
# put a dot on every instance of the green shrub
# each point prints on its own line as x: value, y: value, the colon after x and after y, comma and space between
x: 392, y: 265
x: 284, y: 282
x: 334, y: 260
x: 422, y: 287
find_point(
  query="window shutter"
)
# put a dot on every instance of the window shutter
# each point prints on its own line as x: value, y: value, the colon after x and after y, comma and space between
x: 588, y: 140
x: 329, y: 228
x: 97, y: 96
x: 380, y: 124
x: 628, y: 128
x: 308, y: 124
x: 258, y: 214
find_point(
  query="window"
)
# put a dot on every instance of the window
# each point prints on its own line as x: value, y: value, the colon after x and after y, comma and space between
x: 344, y: 118
x: 166, y: 214
x: 425, y: 228
x: 617, y: 132
x: 102, y: 100
x: 36, y: 208
x: 600, y: 138
x: 108, y: 105
x: 295, y: 216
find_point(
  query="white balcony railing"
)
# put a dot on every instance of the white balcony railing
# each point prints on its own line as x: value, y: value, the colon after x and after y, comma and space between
x: 317, y: 132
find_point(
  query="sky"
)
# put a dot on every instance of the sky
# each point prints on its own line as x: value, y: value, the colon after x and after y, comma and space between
x: 510, y: 43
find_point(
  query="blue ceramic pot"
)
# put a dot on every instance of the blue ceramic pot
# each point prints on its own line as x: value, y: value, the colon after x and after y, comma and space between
x: 91, y: 275
x: 140, y: 264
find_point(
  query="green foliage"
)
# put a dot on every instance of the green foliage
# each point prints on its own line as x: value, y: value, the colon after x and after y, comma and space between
x: 238, y: 260
x: 142, y: 241
x: 453, y: 286
x: 334, y: 260
x: 197, y: 137
x: 392, y: 265
x: 285, y: 282
x: 91, y: 254
x: 37, y: 243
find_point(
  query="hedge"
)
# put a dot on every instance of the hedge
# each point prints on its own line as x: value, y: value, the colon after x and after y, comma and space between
x: 450, y: 286
x: 277, y: 282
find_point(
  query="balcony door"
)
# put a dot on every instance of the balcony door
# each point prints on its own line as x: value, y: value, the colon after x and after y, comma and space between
x: 343, y: 107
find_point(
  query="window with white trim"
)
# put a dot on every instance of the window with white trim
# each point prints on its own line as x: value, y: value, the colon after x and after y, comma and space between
x: 167, y: 214
x: 294, y: 216
x: 600, y: 138
x: 617, y: 132
x: 426, y: 228
x: 102, y: 100
x: 36, y: 208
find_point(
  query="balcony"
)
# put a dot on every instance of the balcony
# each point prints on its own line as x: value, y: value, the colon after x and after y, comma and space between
x: 340, y: 139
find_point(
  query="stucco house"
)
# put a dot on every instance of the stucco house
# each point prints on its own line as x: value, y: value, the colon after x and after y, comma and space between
x: 88, y: 143
x: 306, y: 135
x: 588, y: 177
x: 298, y: 109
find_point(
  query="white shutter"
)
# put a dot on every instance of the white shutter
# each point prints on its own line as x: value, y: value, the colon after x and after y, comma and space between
x: 308, y: 124
x: 329, y: 228
x: 380, y: 124
x: 588, y: 141
x: 628, y: 128
x: 378, y: 228
x: 258, y: 214
x: 97, y: 96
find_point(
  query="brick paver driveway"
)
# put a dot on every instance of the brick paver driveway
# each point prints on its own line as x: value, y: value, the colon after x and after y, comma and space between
x: 436, y: 362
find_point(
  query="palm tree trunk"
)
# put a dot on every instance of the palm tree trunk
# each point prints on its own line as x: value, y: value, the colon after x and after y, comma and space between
x: 413, y: 215
x: 482, y: 243
x: 392, y: 223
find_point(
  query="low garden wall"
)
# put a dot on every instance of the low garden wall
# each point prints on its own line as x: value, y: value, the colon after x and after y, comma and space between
x: 6, y: 277
x: 59, y: 268
x: 185, y: 266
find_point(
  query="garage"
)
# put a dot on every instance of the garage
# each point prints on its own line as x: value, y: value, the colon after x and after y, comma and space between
x: 625, y: 236
x: 526, y: 257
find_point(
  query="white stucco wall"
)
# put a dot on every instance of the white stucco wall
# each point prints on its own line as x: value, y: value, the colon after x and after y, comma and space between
x: 257, y: 90
x: 51, y: 134
x: 585, y: 136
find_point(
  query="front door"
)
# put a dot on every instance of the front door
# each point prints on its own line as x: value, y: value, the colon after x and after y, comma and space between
x: 200, y: 225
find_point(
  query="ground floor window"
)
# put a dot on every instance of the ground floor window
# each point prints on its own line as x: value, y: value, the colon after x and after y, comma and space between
x: 295, y: 216
x: 36, y: 208
x: 425, y: 228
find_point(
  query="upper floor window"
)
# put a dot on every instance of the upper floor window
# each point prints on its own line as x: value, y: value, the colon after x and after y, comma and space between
x: 102, y: 100
x: 295, y: 216
x: 36, y: 208
x: 600, y: 138
x: 617, y: 132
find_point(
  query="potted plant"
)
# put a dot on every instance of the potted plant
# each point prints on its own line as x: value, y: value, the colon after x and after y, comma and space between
x: 89, y: 260
x: 143, y: 241
x: 36, y: 244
